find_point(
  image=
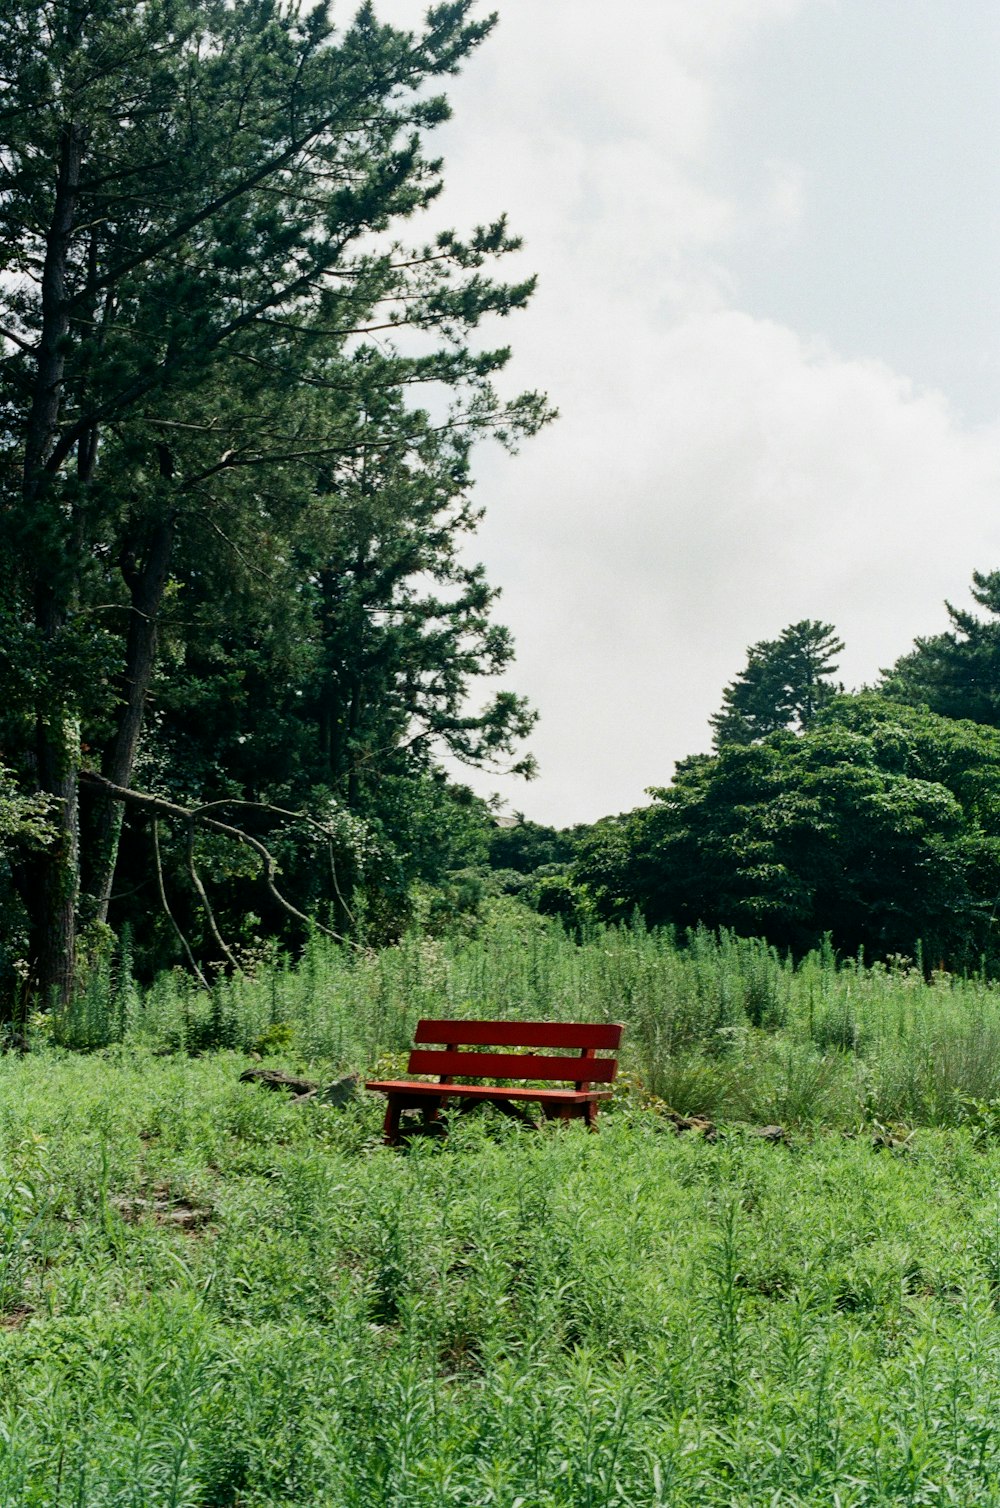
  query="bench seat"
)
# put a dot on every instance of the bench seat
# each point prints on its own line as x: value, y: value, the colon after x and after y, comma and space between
x: 485, y: 1091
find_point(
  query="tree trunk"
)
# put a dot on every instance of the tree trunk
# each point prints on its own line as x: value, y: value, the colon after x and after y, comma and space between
x: 353, y: 723
x: 51, y: 893
x: 55, y: 877
x: 146, y: 584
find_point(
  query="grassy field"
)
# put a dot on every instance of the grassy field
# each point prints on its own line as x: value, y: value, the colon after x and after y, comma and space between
x: 211, y: 1296
x: 721, y: 1027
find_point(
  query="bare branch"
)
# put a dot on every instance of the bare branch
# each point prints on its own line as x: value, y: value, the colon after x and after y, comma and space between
x: 170, y: 915
x: 255, y: 569
x: 156, y: 806
x: 336, y: 886
x: 220, y: 941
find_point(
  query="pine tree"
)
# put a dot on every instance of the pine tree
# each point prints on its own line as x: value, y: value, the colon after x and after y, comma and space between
x: 785, y: 682
x: 199, y: 211
x: 957, y: 673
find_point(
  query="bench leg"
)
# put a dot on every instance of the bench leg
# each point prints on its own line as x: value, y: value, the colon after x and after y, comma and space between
x: 393, y: 1109
x: 430, y: 1111
x: 562, y: 1113
x: 586, y: 1112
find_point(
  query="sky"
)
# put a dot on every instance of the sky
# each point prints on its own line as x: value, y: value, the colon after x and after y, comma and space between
x: 767, y: 236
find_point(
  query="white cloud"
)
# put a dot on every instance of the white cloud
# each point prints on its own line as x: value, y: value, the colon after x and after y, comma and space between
x: 736, y: 481
x: 714, y: 476
x: 785, y: 199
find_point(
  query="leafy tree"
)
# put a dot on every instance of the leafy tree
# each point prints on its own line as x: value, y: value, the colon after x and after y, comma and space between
x: 957, y: 673
x: 22, y: 818
x: 203, y: 355
x: 525, y: 846
x: 25, y: 826
x: 338, y: 691
x: 784, y: 684
x: 879, y: 824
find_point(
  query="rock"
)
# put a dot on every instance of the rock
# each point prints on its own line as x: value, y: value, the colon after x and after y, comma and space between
x: 185, y: 1215
x: 15, y: 1317
x: 770, y: 1133
x: 163, y: 1209
x: 273, y: 1078
x: 698, y: 1123
x: 340, y: 1092
x: 337, y: 1094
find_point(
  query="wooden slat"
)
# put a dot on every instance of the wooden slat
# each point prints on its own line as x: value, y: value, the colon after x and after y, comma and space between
x: 407, y: 1087
x: 506, y: 1065
x: 581, y: 1034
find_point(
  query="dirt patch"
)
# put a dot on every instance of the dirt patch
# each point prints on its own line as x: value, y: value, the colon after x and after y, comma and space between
x: 13, y: 1319
x: 163, y: 1207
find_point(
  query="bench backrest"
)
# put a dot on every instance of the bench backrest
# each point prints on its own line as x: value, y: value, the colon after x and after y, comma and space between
x: 451, y: 1057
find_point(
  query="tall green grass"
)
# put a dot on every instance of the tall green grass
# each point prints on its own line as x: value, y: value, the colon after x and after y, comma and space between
x: 717, y: 1025
x: 211, y: 1297
x: 560, y: 1320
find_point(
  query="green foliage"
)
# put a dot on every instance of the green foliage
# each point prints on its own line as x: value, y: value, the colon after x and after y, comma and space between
x: 879, y: 824
x: 559, y: 895
x: 785, y: 683
x: 957, y: 673
x: 23, y: 819
x: 717, y: 1024
x: 238, y: 411
x: 210, y: 1295
x: 526, y: 846
x: 26, y: 826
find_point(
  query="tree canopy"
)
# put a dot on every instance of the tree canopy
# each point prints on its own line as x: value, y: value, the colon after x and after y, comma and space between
x: 879, y: 824
x: 240, y: 624
x: 229, y: 522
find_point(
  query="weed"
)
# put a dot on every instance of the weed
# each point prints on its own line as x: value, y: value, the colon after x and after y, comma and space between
x: 556, y: 1319
x: 563, y: 1319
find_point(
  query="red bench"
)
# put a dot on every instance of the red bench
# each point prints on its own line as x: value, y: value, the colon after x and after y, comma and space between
x: 449, y: 1061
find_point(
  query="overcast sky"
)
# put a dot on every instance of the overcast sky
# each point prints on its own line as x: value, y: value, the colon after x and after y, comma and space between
x: 767, y: 234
